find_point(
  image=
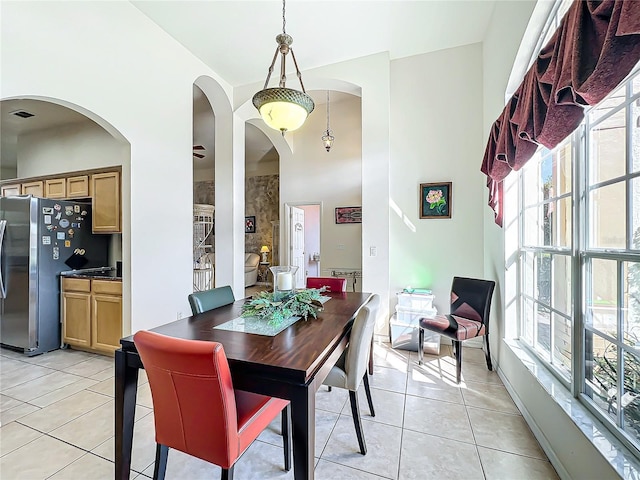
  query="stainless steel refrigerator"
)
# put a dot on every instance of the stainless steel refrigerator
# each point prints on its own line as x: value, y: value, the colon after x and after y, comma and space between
x: 39, y: 238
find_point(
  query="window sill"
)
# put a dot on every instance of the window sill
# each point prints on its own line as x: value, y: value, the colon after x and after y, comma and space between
x: 611, y: 449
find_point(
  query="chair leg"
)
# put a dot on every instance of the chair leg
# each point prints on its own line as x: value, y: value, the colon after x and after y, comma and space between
x: 162, y: 453
x: 355, y: 412
x: 328, y: 388
x: 457, y: 348
x: 227, y: 474
x: 371, y: 358
x: 487, y: 352
x: 367, y: 390
x: 420, y: 345
x: 286, y: 436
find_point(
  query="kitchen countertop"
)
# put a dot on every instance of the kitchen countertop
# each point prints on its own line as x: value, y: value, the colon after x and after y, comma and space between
x: 103, y: 273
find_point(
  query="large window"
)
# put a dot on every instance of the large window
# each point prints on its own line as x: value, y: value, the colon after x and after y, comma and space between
x: 578, y: 259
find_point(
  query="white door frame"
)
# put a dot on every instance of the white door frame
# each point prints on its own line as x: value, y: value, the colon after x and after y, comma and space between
x: 285, y: 229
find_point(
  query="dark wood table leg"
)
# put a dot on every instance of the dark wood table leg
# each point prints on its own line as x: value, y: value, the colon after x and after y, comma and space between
x: 303, y: 407
x: 126, y: 391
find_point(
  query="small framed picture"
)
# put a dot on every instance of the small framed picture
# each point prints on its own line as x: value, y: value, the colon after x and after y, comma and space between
x: 435, y: 200
x: 349, y: 215
x: 250, y: 224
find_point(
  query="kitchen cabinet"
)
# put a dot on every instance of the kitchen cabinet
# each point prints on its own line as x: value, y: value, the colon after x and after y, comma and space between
x: 9, y: 190
x: 92, y: 314
x: 78, y: 187
x: 33, y: 188
x: 106, y: 202
x: 55, y: 188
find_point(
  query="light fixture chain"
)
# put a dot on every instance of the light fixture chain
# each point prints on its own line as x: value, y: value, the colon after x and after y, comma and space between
x: 327, y: 110
x: 284, y: 21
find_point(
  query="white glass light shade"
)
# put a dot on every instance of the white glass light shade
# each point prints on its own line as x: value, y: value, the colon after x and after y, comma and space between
x: 283, y: 109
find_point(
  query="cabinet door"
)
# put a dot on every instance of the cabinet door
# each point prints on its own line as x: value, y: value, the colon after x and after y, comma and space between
x: 106, y: 202
x: 9, y: 190
x: 55, y: 188
x: 78, y: 187
x: 106, y: 323
x: 33, y: 188
x: 76, y: 319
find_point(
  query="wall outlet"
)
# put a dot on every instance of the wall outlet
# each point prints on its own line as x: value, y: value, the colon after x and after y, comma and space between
x: 340, y: 246
x: 179, y: 315
x: 373, y: 251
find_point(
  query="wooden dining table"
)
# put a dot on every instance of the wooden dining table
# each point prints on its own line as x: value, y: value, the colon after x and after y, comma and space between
x: 290, y: 365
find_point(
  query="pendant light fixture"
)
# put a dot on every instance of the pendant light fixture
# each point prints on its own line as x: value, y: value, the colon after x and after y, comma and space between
x: 282, y: 108
x: 327, y: 138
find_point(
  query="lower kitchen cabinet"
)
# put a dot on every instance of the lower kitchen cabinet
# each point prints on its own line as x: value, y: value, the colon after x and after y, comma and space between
x: 92, y: 314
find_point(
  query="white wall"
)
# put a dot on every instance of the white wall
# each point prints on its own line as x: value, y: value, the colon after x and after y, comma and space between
x: 436, y: 136
x: 139, y: 83
x: 79, y: 146
x: 334, y: 179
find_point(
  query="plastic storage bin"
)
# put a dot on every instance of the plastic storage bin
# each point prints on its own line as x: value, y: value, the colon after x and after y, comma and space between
x: 415, y: 301
x: 404, y: 336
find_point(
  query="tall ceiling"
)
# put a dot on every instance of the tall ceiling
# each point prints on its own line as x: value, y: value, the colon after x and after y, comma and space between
x: 237, y: 38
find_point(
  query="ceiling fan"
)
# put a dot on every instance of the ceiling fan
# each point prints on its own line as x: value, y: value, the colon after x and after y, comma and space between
x: 197, y: 148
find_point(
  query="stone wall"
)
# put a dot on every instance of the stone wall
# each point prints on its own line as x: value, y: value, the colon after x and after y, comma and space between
x: 262, y: 200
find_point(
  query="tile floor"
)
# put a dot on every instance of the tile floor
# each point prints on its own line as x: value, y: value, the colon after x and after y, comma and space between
x: 57, y: 422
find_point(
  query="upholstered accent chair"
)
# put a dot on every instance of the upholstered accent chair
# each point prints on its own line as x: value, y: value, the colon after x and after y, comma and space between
x: 195, y: 407
x: 333, y: 284
x: 210, y: 299
x: 468, y: 318
x: 251, y: 262
x: 351, y: 368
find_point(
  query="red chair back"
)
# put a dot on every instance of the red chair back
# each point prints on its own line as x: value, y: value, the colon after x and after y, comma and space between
x: 333, y: 284
x: 193, y: 396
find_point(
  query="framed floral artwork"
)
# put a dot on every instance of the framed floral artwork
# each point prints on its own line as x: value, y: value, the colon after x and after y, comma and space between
x: 250, y: 224
x: 435, y: 200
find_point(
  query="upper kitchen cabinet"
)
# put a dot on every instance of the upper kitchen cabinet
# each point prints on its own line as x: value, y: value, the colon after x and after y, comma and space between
x: 55, y: 188
x: 78, y: 187
x: 33, y: 188
x: 106, y: 202
x: 10, y: 190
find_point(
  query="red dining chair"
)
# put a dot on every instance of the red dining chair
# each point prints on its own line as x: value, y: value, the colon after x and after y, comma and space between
x: 468, y: 318
x: 196, y: 408
x: 333, y: 284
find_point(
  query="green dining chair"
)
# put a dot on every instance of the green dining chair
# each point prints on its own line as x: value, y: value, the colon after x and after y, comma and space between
x: 210, y: 299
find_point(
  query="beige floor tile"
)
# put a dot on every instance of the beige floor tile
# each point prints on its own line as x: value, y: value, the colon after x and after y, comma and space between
x: 428, y: 381
x: 41, y: 386
x: 89, y: 430
x: 263, y: 461
x: 426, y: 456
x: 333, y: 471
x: 389, y: 379
x: 62, y: 393
x: 53, y: 416
x: 144, y: 396
x: 503, y: 431
x: 7, y: 402
x: 388, y: 406
x: 106, y: 387
x: 21, y: 375
x: 38, y: 459
x: 87, y: 467
x: 478, y: 372
x: 507, y: 466
x: 106, y: 374
x: 9, y: 364
x: 325, y: 423
x: 61, y: 359
x: 14, y: 435
x: 474, y: 355
x: 17, y: 412
x: 488, y: 395
x: 383, y: 447
x: 438, y: 418
x: 91, y: 366
x: 385, y: 356
x: 331, y: 401
x: 183, y: 466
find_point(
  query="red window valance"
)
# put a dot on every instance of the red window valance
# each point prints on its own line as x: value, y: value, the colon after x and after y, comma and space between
x: 593, y: 50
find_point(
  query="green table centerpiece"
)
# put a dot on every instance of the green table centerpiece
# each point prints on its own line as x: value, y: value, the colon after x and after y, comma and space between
x: 275, y: 307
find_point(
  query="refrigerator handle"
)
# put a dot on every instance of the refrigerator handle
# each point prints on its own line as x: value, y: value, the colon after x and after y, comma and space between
x: 3, y: 290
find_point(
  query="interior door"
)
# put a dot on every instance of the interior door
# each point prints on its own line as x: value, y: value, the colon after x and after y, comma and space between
x: 296, y: 244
